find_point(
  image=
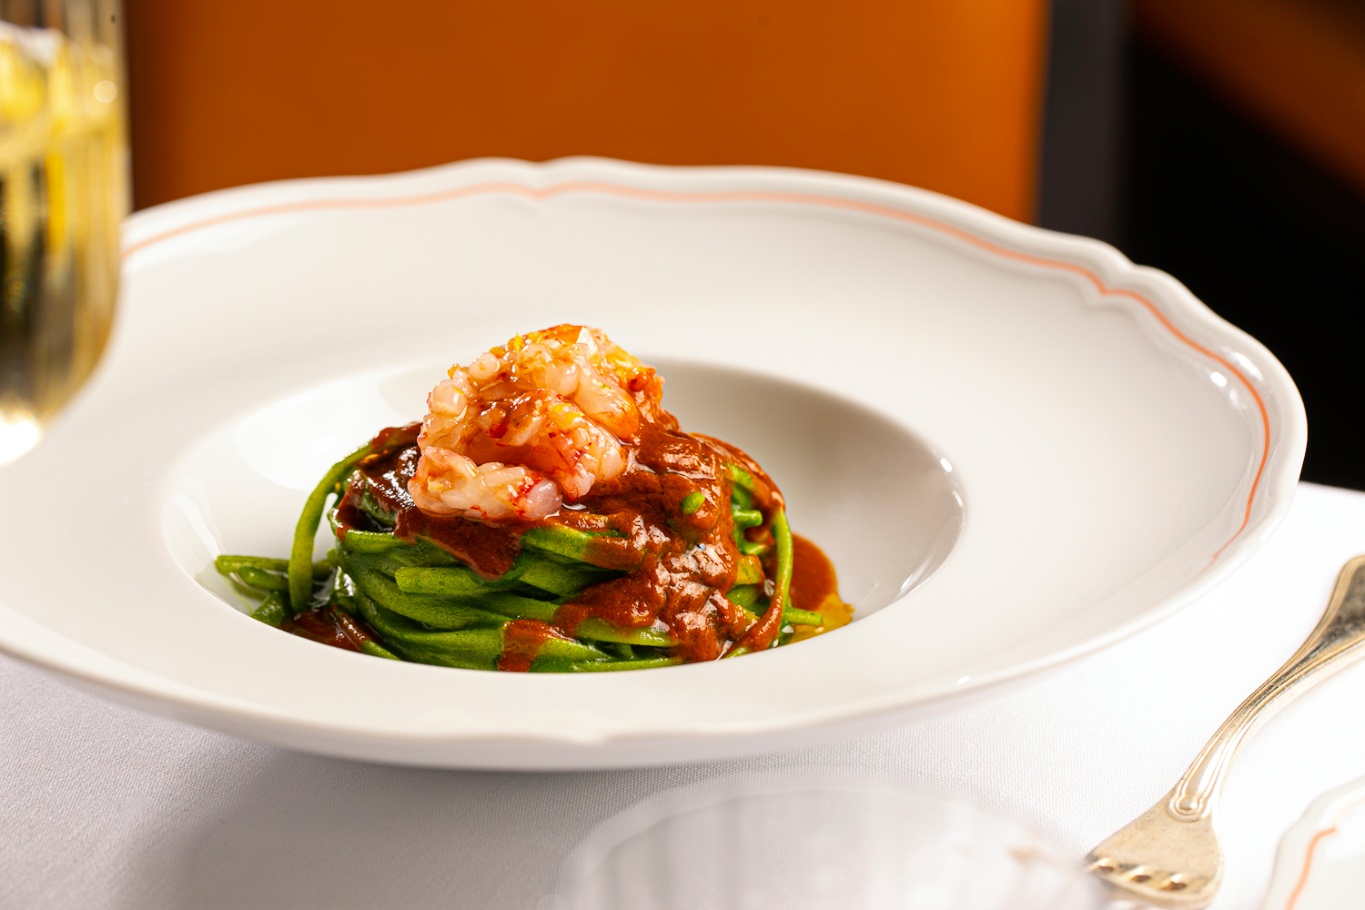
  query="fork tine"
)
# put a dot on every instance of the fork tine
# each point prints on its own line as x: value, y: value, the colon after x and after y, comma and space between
x: 1162, y: 859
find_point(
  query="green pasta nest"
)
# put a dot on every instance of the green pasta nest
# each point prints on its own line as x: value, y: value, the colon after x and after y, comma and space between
x: 411, y: 599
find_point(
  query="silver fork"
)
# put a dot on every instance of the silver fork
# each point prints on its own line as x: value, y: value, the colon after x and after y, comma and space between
x: 1169, y: 855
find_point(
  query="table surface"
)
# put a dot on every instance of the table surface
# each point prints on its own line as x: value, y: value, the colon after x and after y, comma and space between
x: 105, y: 807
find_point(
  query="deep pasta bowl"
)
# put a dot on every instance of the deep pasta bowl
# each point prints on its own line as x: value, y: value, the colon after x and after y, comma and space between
x: 1016, y: 446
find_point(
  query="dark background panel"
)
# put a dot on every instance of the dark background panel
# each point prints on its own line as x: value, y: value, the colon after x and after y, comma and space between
x: 1272, y: 242
x: 1143, y: 150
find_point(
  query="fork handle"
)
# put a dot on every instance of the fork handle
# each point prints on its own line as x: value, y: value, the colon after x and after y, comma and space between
x: 1335, y: 643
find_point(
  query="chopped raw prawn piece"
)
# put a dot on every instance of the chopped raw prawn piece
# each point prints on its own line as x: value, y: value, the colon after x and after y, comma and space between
x: 527, y: 426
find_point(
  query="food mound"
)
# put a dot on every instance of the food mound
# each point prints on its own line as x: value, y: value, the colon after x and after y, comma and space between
x: 547, y: 514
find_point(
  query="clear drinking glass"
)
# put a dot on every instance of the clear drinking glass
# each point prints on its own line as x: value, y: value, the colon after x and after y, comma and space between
x: 63, y: 196
x: 814, y: 842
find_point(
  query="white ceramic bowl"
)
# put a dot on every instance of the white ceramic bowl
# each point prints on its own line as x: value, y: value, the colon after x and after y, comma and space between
x: 1017, y: 446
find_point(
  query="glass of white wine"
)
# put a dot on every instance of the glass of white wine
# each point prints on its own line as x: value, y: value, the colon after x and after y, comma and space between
x: 63, y: 197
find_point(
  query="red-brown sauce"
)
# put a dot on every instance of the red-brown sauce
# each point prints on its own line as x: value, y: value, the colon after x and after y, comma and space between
x: 813, y: 577
x: 330, y: 627
x: 522, y: 640
x: 815, y: 588
x: 677, y: 567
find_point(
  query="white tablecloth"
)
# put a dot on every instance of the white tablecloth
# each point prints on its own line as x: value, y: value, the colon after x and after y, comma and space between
x: 104, y: 807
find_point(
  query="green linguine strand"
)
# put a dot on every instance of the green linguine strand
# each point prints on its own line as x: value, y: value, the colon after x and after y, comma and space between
x: 301, y: 553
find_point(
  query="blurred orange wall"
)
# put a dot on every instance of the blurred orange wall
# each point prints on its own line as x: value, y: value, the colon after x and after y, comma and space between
x: 944, y: 94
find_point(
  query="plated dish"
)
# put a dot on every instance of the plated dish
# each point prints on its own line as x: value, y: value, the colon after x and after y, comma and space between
x: 1015, y: 445
x: 548, y: 515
